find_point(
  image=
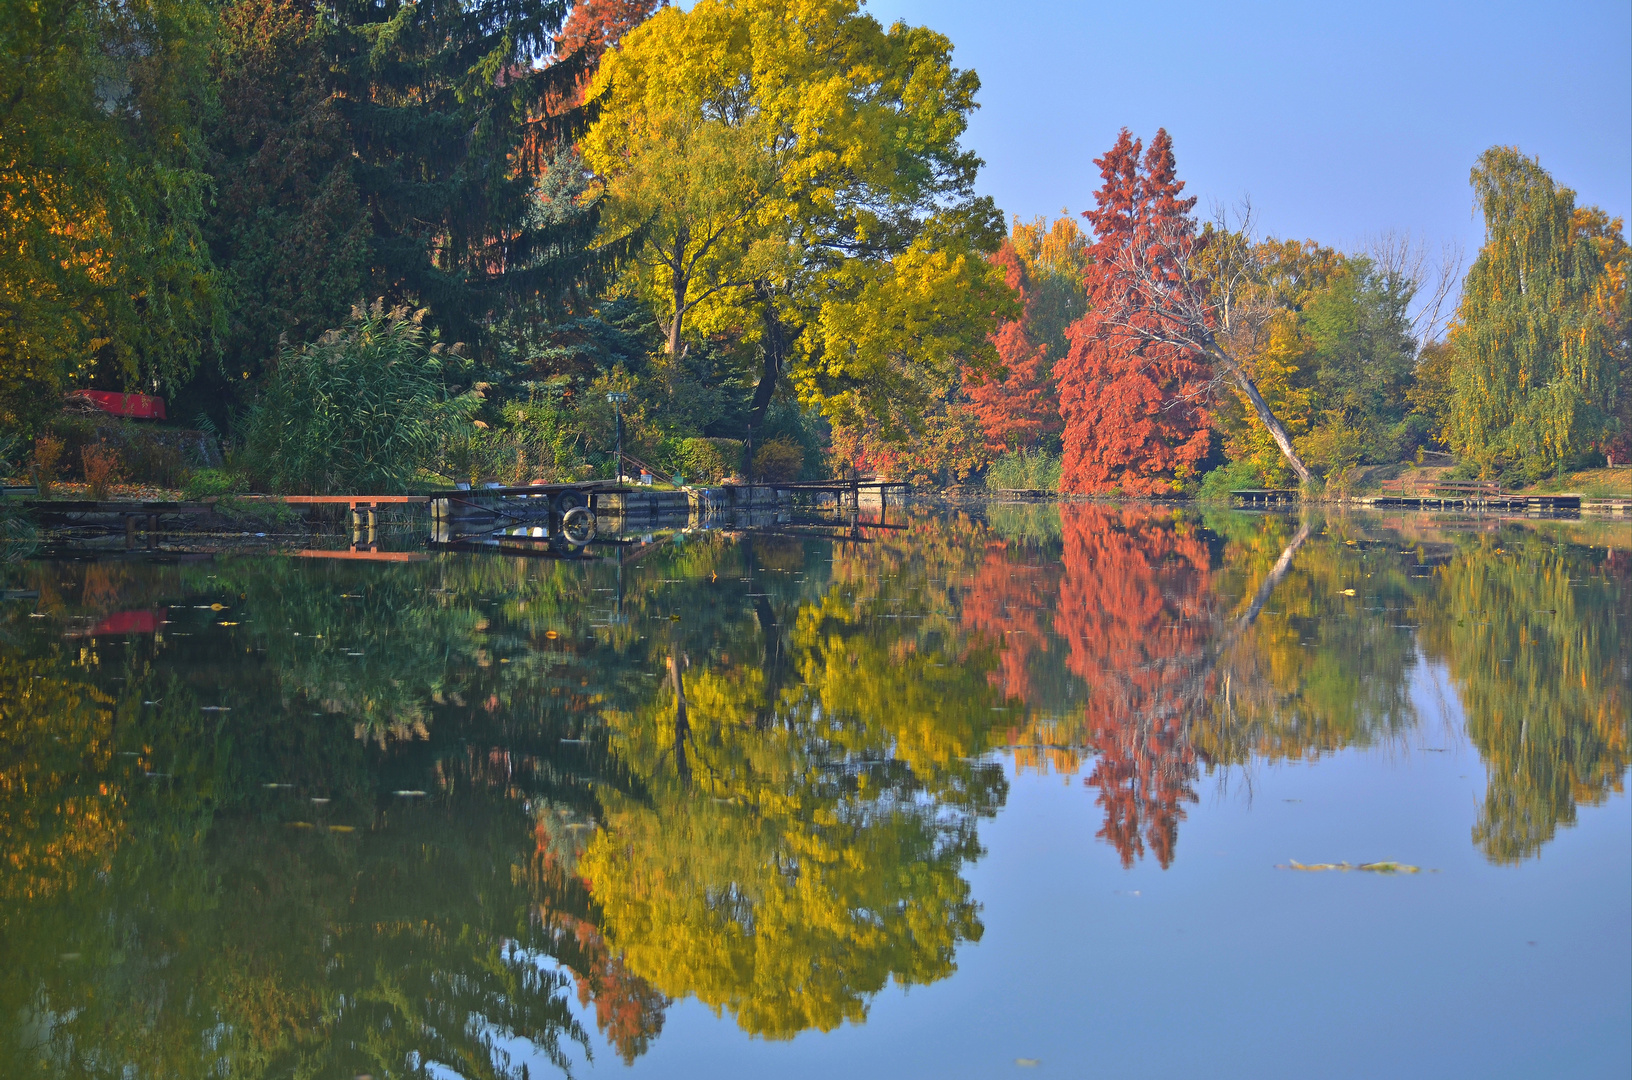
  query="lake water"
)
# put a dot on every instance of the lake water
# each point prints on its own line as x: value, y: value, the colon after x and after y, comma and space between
x: 1021, y: 791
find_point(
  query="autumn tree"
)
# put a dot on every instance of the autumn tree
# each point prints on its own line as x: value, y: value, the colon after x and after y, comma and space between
x: 595, y: 26
x: 1130, y: 389
x: 1055, y: 255
x: 796, y: 172
x: 1533, y: 381
x: 1166, y: 297
x: 1021, y: 406
x: 102, y: 188
x: 1607, y: 236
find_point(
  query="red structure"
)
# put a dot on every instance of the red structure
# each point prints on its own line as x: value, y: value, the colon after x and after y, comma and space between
x: 135, y: 406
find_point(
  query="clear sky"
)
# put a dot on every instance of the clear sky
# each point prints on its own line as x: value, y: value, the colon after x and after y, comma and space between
x: 1339, y: 120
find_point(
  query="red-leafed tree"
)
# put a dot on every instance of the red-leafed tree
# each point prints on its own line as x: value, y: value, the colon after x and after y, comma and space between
x: 593, y: 27
x: 1019, y: 409
x: 598, y: 25
x: 1131, y: 396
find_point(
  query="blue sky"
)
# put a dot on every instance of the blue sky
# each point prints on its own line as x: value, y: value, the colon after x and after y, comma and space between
x: 1340, y: 121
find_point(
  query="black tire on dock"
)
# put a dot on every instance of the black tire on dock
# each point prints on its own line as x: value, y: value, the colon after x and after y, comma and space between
x: 578, y: 525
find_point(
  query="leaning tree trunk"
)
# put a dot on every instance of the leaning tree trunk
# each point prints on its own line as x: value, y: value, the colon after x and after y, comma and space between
x: 1261, y: 407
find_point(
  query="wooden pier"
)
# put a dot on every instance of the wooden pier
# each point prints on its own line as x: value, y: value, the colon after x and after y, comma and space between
x: 1266, y: 496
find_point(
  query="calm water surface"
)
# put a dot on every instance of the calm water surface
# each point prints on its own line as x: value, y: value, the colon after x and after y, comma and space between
x: 1009, y: 793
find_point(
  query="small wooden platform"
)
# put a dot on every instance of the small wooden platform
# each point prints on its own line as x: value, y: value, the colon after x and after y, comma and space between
x: 1266, y: 496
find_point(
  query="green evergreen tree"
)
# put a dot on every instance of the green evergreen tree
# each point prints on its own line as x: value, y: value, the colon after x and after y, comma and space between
x: 392, y: 150
x: 1532, y: 380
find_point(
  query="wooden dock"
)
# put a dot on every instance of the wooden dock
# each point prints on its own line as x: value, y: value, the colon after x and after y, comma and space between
x: 1266, y: 496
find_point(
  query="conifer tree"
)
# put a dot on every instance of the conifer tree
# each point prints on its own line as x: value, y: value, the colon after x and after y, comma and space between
x: 393, y: 150
x: 1532, y: 378
x: 1133, y: 418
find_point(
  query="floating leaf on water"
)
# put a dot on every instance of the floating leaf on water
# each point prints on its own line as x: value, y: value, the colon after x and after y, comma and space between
x: 551, y: 634
x: 1371, y: 867
x: 408, y: 794
x: 216, y: 708
x: 320, y: 802
x: 1348, y: 592
x: 226, y: 624
x: 152, y: 702
x: 299, y: 825
x: 274, y: 786
x: 342, y: 828
x: 218, y: 607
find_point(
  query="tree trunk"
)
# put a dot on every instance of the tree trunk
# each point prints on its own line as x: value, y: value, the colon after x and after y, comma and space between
x: 1261, y: 407
x: 672, y: 346
x: 679, y: 284
x: 775, y: 349
x: 682, y: 726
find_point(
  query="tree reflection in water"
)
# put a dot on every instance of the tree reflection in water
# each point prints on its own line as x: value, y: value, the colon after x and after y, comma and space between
x: 248, y: 893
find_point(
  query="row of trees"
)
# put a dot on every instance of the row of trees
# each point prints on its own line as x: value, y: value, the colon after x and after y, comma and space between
x: 1201, y: 346
x: 770, y: 221
x: 757, y: 218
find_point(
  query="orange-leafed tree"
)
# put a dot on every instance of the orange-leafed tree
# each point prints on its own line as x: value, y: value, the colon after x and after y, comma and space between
x: 1132, y: 397
x: 598, y: 25
x: 1020, y: 408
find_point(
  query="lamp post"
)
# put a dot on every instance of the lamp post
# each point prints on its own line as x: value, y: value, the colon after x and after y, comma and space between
x: 617, y: 398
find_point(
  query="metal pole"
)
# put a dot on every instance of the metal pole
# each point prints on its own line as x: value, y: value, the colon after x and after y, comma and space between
x: 619, y: 410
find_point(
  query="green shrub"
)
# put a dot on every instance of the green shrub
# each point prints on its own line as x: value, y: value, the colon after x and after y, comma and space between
x: 778, y: 461
x: 1231, y: 476
x: 363, y: 410
x: 205, y: 483
x: 1025, y: 470
x: 709, y: 461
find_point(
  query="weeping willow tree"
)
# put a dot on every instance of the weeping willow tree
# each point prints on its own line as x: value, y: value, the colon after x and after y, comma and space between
x: 1532, y: 382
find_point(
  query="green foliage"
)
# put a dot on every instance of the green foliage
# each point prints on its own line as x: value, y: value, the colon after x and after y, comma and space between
x: 363, y: 410
x: 798, y: 178
x: 1533, y: 378
x: 204, y: 483
x: 709, y: 460
x: 778, y: 461
x: 288, y: 222
x: 101, y: 192
x: 1231, y: 476
x: 1025, y: 469
x: 1363, y: 357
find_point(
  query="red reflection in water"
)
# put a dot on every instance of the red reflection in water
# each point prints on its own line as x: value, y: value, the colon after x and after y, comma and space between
x: 1133, y: 613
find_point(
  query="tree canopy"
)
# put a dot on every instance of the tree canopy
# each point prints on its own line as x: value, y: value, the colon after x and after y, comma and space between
x: 798, y: 173
x: 1533, y: 380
